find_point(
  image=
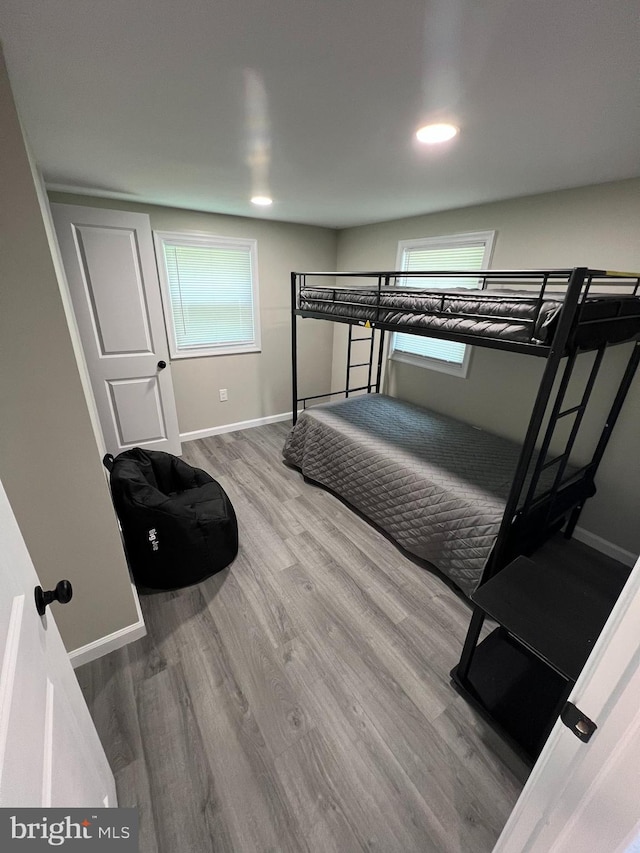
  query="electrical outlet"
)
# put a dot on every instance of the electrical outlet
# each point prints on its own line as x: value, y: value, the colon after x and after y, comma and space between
x: 223, y: 395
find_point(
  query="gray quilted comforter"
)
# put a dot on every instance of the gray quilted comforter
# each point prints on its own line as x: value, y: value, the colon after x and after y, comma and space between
x: 436, y: 485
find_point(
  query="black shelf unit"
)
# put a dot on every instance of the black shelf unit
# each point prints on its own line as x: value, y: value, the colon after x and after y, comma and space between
x: 549, y: 618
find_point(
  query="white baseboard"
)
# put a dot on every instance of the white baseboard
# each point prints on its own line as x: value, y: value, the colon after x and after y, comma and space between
x: 122, y: 637
x: 205, y: 433
x: 605, y: 547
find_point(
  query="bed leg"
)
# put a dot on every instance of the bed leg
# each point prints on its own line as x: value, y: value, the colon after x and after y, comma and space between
x: 475, y: 626
x: 573, y: 520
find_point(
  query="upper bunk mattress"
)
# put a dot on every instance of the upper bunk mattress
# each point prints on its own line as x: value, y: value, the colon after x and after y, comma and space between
x: 504, y: 314
x: 438, y: 486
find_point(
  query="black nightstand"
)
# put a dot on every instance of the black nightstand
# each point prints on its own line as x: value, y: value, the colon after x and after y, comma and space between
x: 521, y: 674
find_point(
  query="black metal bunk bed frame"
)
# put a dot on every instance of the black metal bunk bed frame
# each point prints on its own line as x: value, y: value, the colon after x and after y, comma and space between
x: 525, y: 525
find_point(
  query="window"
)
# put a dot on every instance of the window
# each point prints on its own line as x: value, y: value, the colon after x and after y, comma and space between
x: 461, y: 252
x: 210, y: 293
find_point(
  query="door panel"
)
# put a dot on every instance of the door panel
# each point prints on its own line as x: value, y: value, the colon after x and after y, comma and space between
x: 70, y: 783
x: 110, y: 264
x: 113, y: 278
x: 50, y: 753
x: 21, y: 706
x: 137, y: 409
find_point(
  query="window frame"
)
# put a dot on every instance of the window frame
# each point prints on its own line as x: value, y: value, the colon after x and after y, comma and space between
x: 202, y: 238
x: 445, y: 241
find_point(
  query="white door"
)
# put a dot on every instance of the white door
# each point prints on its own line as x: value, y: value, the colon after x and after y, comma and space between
x: 50, y: 753
x: 584, y: 797
x: 110, y: 265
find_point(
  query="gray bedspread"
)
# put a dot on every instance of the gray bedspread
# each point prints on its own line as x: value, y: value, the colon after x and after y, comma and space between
x: 436, y: 485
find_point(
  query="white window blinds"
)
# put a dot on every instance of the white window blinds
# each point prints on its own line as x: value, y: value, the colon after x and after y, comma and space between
x: 210, y: 293
x: 446, y: 253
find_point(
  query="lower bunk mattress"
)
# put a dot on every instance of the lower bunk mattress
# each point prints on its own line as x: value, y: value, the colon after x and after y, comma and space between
x: 436, y: 485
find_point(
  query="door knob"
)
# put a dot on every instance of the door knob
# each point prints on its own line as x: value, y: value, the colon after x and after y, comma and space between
x: 162, y: 365
x: 62, y: 593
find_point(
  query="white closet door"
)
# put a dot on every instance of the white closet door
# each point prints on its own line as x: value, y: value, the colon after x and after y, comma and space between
x: 110, y: 265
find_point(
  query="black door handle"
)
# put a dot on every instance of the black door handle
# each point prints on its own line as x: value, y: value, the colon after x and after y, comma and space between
x: 162, y: 365
x: 62, y: 593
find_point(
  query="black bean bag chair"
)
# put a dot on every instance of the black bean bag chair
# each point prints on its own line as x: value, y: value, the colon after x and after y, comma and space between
x: 178, y: 524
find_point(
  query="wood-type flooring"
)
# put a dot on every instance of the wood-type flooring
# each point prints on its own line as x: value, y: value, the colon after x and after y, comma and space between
x: 300, y: 699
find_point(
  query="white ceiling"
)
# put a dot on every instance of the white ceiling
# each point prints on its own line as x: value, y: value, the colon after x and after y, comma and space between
x: 197, y: 104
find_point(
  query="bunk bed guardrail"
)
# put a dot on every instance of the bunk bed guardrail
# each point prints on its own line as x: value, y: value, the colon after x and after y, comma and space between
x: 384, y: 300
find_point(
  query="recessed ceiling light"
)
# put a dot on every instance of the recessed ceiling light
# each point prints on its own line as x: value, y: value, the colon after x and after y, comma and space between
x: 432, y: 133
x: 262, y: 200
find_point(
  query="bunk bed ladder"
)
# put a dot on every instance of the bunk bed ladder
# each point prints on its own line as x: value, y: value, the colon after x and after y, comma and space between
x: 562, y: 459
x: 540, y: 406
x: 623, y: 390
x: 367, y: 332
x: 368, y: 363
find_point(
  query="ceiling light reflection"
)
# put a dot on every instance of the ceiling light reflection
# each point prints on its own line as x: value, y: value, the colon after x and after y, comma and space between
x: 258, y: 137
x: 431, y: 134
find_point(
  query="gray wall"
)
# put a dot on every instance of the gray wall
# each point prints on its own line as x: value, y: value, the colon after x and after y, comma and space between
x: 258, y: 384
x: 592, y: 226
x: 49, y: 460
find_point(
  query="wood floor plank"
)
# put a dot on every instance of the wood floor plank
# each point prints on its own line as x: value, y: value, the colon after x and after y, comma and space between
x: 259, y: 542
x: 440, y: 648
x: 378, y: 820
x: 307, y: 774
x: 134, y: 791
x: 258, y: 812
x: 180, y: 618
x: 486, y: 758
x: 329, y: 570
x: 451, y: 797
x: 344, y: 551
x: 301, y: 660
x: 108, y: 688
x: 351, y: 621
x: 178, y: 773
x: 264, y: 468
x: 398, y: 568
x: 400, y: 798
x: 337, y: 632
x: 268, y: 609
x: 208, y: 457
x: 268, y: 500
x: 145, y: 658
x: 281, y: 718
x: 327, y: 836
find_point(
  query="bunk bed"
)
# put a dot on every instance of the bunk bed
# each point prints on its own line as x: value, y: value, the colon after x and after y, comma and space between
x: 472, y: 504
x: 404, y: 467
